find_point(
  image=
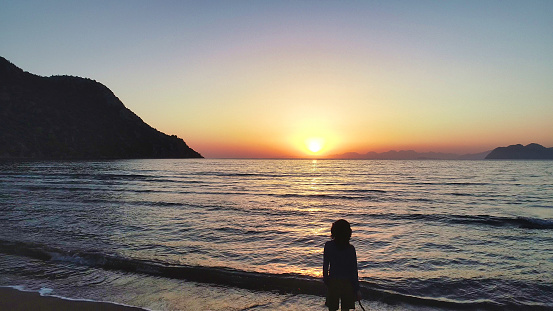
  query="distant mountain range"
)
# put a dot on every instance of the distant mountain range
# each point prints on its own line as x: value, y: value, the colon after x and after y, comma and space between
x: 531, y: 151
x: 63, y: 117
x: 411, y: 155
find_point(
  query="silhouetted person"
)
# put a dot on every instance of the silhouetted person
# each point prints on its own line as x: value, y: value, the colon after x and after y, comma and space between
x: 340, y: 268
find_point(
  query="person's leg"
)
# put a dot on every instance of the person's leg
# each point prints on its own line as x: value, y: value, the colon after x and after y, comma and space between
x: 333, y: 295
x: 347, y: 296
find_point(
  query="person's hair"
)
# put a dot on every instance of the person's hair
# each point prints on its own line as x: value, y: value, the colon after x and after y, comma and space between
x: 340, y: 232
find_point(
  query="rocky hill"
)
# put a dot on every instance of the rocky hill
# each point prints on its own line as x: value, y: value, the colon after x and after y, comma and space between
x: 63, y: 117
x: 531, y: 151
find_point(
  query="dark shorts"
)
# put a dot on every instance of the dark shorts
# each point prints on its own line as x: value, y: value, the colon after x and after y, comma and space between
x: 340, y: 290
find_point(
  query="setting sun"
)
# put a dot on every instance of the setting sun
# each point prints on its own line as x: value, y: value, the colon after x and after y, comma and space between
x: 314, y: 144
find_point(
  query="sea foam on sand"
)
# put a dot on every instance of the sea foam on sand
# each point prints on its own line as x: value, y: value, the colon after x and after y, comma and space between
x: 14, y: 298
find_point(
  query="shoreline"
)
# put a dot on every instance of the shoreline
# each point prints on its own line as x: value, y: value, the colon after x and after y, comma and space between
x: 14, y: 299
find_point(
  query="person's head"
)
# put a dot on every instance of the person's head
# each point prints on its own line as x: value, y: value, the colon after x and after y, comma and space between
x: 340, y: 232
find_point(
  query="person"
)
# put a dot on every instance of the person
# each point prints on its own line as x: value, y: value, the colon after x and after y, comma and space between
x: 340, y: 268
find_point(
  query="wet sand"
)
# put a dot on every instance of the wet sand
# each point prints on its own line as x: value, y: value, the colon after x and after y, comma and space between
x: 13, y: 299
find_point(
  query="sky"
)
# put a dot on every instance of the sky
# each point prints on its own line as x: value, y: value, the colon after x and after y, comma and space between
x: 271, y: 79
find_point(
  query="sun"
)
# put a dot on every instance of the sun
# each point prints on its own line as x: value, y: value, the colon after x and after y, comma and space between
x: 314, y: 144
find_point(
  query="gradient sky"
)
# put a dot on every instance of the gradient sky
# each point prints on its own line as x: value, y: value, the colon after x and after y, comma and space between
x: 259, y: 78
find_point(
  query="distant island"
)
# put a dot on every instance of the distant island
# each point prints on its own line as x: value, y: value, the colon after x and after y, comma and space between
x: 65, y: 117
x: 530, y: 152
x: 514, y: 152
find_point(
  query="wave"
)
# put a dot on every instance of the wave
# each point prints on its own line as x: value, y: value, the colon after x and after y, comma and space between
x: 496, y: 221
x: 322, y: 196
x: 290, y: 283
x: 452, y: 183
x: 352, y: 194
x: 282, y: 283
x: 257, y: 175
x: 535, y: 223
x: 365, y: 191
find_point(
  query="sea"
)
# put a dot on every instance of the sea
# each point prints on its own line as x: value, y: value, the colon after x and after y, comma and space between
x: 237, y: 234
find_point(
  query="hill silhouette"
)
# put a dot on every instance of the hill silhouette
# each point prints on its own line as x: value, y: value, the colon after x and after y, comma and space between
x: 65, y: 117
x: 530, y: 152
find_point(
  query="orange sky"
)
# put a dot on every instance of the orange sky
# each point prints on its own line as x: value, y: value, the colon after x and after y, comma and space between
x: 243, y: 79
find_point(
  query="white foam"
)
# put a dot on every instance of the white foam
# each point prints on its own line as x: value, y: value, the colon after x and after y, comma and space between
x: 46, y: 292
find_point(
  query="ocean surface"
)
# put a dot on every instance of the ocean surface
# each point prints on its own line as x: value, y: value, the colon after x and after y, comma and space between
x: 249, y: 234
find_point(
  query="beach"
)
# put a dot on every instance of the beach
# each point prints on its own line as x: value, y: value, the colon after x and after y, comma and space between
x: 15, y: 300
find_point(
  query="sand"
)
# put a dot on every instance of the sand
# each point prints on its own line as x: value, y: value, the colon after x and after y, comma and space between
x: 12, y: 299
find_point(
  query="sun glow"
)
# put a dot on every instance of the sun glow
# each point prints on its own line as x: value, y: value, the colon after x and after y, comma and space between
x: 314, y: 139
x: 314, y: 144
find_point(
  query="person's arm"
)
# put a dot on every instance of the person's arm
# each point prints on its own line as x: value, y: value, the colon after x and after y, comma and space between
x: 326, y: 264
x: 355, y: 276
